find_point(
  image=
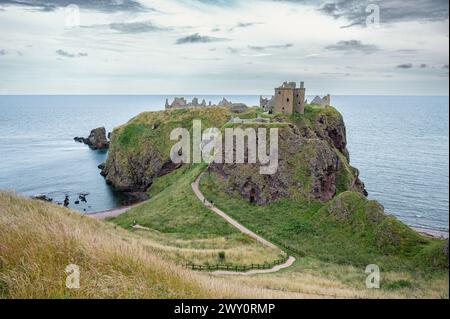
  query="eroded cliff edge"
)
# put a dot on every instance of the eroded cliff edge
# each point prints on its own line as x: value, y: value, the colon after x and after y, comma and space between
x: 313, y: 155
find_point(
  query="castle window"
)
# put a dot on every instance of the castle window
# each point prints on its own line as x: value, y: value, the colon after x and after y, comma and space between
x: 287, y: 100
x: 279, y: 92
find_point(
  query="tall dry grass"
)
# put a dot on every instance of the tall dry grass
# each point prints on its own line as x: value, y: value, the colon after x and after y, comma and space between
x: 38, y: 240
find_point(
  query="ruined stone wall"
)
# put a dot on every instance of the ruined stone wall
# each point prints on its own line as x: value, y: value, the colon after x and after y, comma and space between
x: 299, y: 103
x: 284, y: 100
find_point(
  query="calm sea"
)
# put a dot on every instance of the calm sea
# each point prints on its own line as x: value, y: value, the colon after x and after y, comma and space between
x: 400, y: 145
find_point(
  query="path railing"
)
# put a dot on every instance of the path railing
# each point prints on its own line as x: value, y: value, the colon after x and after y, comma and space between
x: 236, y: 268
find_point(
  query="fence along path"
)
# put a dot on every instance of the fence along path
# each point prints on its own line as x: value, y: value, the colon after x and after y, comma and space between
x: 255, y: 270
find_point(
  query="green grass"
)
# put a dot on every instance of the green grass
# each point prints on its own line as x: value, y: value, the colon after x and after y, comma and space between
x: 151, y: 130
x: 257, y: 125
x: 175, y: 209
x: 319, y: 231
x: 184, y: 230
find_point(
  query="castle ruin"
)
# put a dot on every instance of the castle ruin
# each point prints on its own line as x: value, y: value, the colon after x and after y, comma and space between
x: 182, y: 103
x: 289, y: 98
x: 324, y: 102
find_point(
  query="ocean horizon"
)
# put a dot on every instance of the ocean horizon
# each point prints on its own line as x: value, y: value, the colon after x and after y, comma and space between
x: 398, y: 143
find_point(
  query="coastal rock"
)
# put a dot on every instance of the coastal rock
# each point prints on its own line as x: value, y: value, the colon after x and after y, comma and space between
x: 313, y: 158
x: 313, y: 164
x: 82, y: 197
x: 137, y: 154
x: 130, y: 198
x: 66, y: 201
x: 96, y: 140
x: 42, y: 197
x: 129, y: 173
x: 80, y: 139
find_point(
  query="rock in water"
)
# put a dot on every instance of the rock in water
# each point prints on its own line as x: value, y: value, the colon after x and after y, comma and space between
x: 80, y: 139
x: 66, y: 201
x: 96, y: 140
x: 42, y: 197
x: 82, y: 197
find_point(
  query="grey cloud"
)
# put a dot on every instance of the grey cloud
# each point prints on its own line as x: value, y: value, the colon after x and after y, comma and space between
x: 275, y: 46
x: 407, y: 51
x: 136, y: 27
x: 445, y: 66
x: 2, y: 52
x: 197, y: 38
x: 98, y: 5
x: 243, y: 25
x: 391, y: 11
x: 232, y: 50
x: 246, y: 24
x: 353, y: 45
x: 410, y: 66
x: 404, y: 66
x: 66, y: 54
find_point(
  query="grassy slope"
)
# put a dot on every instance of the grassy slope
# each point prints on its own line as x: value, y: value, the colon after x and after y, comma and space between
x: 174, y: 215
x: 309, y: 231
x: 302, y: 226
x: 38, y: 240
x: 177, y: 219
x: 154, y: 128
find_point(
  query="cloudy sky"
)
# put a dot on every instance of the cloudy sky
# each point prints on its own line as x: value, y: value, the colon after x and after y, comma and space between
x: 223, y: 46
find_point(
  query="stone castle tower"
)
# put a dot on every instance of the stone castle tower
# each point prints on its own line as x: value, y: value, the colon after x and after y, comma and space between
x: 289, y: 99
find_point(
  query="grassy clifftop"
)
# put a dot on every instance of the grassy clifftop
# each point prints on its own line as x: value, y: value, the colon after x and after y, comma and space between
x: 140, y: 148
x: 314, y: 161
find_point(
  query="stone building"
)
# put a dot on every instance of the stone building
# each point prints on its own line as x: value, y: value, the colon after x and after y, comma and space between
x: 288, y: 99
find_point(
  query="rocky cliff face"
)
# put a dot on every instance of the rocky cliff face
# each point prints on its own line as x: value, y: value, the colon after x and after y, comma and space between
x: 139, y: 150
x: 313, y: 162
x: 313, y: 155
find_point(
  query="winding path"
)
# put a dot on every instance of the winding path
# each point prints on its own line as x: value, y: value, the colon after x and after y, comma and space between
x: 241, y: 228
